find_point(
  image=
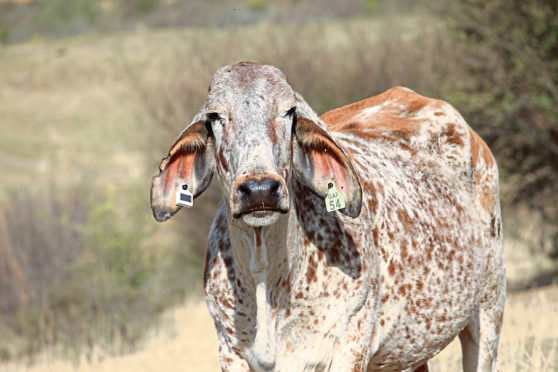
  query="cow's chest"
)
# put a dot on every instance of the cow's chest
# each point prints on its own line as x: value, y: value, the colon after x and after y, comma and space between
x: 309, y: 315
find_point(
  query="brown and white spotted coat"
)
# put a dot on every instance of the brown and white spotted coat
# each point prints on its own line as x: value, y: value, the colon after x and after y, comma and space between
x: 414, y: 259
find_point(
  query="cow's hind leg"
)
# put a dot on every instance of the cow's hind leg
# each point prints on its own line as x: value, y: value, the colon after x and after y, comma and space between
x: 479, y: 339
x: 423, y: 368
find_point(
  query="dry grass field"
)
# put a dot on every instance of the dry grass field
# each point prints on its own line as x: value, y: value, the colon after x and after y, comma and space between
x: 187, y: 342
x: 69, y: 112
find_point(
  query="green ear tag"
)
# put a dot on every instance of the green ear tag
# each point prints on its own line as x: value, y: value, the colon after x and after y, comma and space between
x: 334, y: 199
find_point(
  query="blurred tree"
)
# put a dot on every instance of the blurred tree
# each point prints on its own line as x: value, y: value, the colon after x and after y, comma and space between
x: 510, y: 90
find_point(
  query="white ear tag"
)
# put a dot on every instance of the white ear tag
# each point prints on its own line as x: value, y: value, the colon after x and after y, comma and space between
x: 334, y: 199
x: 184, y: 198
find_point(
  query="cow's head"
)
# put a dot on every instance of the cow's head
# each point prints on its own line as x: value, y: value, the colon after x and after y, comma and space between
x: 255, y: 133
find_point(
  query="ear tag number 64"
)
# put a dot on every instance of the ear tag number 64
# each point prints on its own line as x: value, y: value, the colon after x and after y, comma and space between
x: 334, y: 199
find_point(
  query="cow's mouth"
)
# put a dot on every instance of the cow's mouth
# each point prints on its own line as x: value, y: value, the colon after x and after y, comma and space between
x: 259, y: 212
x: 261, y: 217
x: 262, y: 214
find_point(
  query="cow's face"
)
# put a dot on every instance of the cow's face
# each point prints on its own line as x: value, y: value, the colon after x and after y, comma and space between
x: 256, y: 134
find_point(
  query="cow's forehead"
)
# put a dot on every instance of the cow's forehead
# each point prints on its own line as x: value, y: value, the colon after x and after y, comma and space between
x: 247, y: 80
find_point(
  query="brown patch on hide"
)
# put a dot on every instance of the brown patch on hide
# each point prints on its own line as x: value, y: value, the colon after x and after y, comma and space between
x: 391, y: 268
x: 272, y: 131
x: 453, y: 136
x: 478, y: 146
x: 311, y: 271
x: 479, y: 150
x: 289, y: 346
x: 392, y: 121
x: 222, y: 161
x: 412, y: 102
x: 405, y: 219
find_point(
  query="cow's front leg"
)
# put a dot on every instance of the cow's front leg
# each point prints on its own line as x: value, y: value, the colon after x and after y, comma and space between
x: 230, y: 361
x: 222, y: 313
x: 349, y: 360
x: 355, y: 347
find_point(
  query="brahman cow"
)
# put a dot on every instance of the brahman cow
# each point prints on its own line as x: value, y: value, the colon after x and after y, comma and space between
x: 362, y: 240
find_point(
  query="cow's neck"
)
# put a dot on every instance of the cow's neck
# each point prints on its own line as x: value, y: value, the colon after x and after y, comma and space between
x: 268, y: 258
x: 266, y: 254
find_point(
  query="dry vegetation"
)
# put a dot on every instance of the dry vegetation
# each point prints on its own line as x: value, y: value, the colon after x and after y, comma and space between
x: 188, y: 342
x: 84, y: 270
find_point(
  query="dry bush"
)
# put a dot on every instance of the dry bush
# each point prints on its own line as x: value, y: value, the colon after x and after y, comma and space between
x: 40, y: 239
x: 77, y: 271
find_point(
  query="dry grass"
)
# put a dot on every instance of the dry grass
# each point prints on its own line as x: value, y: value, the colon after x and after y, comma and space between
x: 187, y: 343
x: 529, y: 339
x: 65, y: 110
x: 529, y: 342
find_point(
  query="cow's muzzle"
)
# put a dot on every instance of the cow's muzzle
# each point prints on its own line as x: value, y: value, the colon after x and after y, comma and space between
x: 260, y: 196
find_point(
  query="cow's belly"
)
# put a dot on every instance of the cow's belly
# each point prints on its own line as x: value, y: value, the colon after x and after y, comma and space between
x: 417, y: 320
x: 397, y: 352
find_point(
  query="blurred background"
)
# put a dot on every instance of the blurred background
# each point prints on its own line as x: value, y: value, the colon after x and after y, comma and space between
x: 93, y: 92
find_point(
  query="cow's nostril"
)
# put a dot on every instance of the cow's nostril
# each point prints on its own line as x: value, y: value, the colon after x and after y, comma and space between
x: 274, y: 187
x: 243, y: 191
x: 261, y: 194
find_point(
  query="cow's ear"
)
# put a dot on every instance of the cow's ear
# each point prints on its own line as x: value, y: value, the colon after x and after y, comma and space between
x: 189, y: 161
x: 317, y: 159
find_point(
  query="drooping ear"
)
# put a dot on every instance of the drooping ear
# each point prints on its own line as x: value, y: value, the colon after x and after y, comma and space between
x: 317, y: 159
x: 189, y: 161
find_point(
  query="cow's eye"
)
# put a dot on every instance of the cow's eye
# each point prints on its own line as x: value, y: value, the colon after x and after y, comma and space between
x: 290, y: 112
x: 213, y: 116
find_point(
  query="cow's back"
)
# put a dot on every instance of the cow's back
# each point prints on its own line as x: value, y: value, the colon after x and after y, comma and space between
x: 430, y: 190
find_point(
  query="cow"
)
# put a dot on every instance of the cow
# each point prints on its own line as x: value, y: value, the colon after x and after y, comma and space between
x: 407, y: 256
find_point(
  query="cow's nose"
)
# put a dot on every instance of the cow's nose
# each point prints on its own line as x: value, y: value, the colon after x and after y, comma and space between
x: 260, y: 196
x: 264, y: 192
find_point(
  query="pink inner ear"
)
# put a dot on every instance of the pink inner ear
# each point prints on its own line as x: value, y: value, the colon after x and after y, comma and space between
x: 327, y: 167
x: 180, y: 166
